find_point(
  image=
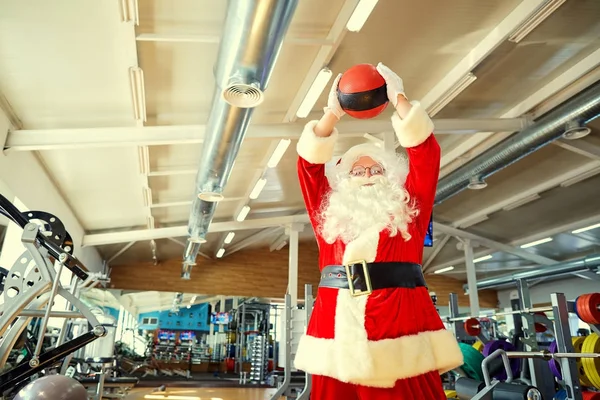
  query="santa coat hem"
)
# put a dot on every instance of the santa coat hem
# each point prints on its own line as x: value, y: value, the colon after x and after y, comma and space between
x: 392, y: 359
x: 352, y: 358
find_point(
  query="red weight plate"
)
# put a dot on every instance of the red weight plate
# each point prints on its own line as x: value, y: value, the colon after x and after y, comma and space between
x: 539, y: 327
x: 582, y: 309
x: 593, y: 303
x: 472, y: 327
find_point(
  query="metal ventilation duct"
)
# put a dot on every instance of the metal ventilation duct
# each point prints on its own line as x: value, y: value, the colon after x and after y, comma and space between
x: 252, y: 38
x: 580, y: 109
x: 589, y: 263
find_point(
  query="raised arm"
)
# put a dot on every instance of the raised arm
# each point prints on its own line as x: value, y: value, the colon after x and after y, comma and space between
x: 315, y: 148
x: 414, y: 130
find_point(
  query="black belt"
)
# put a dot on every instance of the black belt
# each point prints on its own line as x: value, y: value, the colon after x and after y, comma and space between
x: 366, y: 277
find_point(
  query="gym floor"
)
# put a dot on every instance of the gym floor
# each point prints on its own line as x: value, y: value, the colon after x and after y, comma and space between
x: 204, y: 394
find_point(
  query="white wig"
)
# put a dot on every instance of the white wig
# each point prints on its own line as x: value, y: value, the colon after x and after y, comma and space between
x: 395, y: 165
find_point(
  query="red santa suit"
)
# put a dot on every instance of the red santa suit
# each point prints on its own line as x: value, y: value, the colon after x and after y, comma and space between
x: 391, y: 343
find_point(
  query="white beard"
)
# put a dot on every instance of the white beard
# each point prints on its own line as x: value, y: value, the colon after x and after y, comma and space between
x: 352, y: 208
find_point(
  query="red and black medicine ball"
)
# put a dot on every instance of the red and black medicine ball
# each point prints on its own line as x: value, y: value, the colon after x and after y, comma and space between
x: 362, y: 92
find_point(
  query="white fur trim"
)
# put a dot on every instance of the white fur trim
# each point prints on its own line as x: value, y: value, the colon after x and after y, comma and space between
x: 415, y: 128
x: 315, y: 149
x: 384, y: 361
x: 364, y: 247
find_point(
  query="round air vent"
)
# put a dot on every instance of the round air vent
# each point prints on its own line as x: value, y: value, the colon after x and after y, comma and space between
x: 211, y: 197
x: 243, y: 95
x: 477, y: 183
x: 197, y: 239
x: 576, y: 132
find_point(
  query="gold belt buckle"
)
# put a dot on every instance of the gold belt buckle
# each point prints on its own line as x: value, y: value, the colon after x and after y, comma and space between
x: 350, y: 277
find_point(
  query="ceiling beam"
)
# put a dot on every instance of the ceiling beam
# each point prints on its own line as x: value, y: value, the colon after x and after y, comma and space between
x: 306, y: 39
x: 553, y: 231
x: 184, y: 245
x: 492, y: 244
x: 253, y: 239
x: 558, y: 84
x: 528, y: 192
x: 480, y: 51
x: 324, y: 55
x: 99, y: 239
x: 75, y: 138
x: 437, y: 247
x: 582, y: 146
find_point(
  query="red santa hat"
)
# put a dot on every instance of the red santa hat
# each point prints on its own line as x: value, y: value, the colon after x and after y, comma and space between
x: 395, y: 165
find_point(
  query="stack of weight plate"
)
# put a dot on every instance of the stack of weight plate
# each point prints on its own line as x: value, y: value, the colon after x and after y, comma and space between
x: 258, y: 359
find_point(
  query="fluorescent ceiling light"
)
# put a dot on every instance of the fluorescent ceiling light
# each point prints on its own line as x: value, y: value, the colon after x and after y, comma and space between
x: 278, y: 153
x: 537, y: 18
x: 452, y: 93
x: 541, y: 241
x: 220, y: 253
x: 314, y: 92
x: 361, y: 14
x: 441, y: 271
x: 580, y: 177
x: 522, y: 202
x: 229, y: 237
x: 193, y: 300
x: 260, y: 185
x: 592, y: 259
x: 482, y: 258
x: 243, y: 214
x: 587, y: 228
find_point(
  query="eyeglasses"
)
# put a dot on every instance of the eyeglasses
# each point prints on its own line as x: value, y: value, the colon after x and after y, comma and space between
x: 374, y: 170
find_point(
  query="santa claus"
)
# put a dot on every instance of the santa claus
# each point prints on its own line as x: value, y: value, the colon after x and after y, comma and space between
x: 374, y: 332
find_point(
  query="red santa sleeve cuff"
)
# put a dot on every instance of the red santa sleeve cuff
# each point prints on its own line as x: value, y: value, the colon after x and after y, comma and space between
x: 315, y: 149
x: 415, y: 128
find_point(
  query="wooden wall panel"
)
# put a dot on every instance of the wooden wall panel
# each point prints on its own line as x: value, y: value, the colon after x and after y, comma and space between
x: 256, y: 272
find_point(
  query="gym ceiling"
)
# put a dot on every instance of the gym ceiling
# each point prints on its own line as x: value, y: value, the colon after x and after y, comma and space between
x: 111, y: 97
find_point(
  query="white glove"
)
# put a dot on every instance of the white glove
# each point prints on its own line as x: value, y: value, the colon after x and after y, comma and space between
x: 333, y: 104
x: 394, y: 83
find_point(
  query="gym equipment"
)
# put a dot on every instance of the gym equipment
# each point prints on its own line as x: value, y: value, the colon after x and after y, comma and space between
x: 494, y: 345
x: 32, y: 284
x: 578, y: 345
x: 472, y: 327
x: 473, y: 360
x: 362, y: 92
x: 292, y: 386
x: 587, y: 308
x: 55, y: 387
x: 572, y: 370
x: 471, y: 389
x: 249, y: 320
x: 591, y: 366
x: 258, y: 369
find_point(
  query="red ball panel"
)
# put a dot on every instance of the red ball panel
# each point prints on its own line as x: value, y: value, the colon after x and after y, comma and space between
x: 360, y: 78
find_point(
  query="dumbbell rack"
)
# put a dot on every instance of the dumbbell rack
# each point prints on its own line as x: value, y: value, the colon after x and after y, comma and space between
x: 258, y: 360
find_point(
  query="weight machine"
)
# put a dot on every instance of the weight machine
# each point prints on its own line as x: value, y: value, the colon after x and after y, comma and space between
x: 293, y: 386
x: 29, y: 290
x: 572, y: 361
